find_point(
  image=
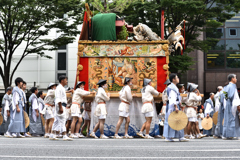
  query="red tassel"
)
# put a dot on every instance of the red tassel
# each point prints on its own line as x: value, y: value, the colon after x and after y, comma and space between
x: 182, y: 44
x: 184, y: 35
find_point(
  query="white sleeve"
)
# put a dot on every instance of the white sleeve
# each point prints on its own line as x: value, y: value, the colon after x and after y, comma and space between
x: 129, y: 94
x: 6, y: 106
x: 224, y: 103
x: 40, y: 107
x: 208, y: 109
x: 83, y: 92
x: 58, y: 96
x: 104, y: 96
x: 196, y: 98
x: 15, y: 100
x: 172, y: 98
x: 154, y: 91
x: 235, y: 103
x: 35, y: 104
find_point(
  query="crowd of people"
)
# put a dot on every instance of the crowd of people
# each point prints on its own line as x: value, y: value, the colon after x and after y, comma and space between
x: 62, y: 113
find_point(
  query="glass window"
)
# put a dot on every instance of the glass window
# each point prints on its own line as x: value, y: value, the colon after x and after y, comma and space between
x: 233, y: 44
x: 219, y: 46
x: 62, y: 65
x: 215, y: 60
x: 233, y: 59
x: 232, y: 31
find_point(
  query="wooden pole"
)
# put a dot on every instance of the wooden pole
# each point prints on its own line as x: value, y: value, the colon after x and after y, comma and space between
x: 162, y: 24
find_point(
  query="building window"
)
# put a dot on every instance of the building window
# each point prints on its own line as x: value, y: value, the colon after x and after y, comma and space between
x: 215, y: 60
x: 233, y: 59
x: 225, y: 54
x: 61, y: 62
x: 232, y: 32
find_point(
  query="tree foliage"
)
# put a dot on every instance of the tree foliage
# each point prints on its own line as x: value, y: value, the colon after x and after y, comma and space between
x: 112, y: 6
x: 28, y: 22
x: 201, y: 16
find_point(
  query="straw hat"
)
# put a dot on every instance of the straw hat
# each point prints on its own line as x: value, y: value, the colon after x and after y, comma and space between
x: 215, y: 118
x: 43, y: 120
x: 207, y: 123
x: 1, y: 119
x: 26, y: 118
x: 177, y: 121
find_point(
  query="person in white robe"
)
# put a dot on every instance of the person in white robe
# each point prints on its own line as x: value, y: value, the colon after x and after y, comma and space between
x: 60, y: 113
x: 219, y: 126
x: 77, y: 100
x: 87, y: 117
x: 49, y: 109
x: 41, y: 101
x: 181, y: 89
x: 192, y: 103
x: 147, y: 108
x: 5, y: 110
x: 101, y: 111
x: 164, y: 100
x: 217, y: 98
x: 126, y: 97
x: 68, y: 112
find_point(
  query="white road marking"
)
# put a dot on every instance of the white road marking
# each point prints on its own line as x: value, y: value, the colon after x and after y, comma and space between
x: 56, y: 157
x: 132, y: 147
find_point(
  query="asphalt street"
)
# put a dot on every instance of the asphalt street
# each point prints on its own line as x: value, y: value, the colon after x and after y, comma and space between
x: 41, y: 148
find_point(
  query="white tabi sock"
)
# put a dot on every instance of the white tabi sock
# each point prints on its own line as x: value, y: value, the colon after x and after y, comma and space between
x: 146, y: 134
x: 65, y: 136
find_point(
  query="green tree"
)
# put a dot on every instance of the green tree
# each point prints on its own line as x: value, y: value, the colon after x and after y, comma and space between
x: 201, y: 15
x: 26, y: 22
x: 112, y: 6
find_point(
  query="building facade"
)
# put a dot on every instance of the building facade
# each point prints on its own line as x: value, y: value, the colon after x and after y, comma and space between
x: 212, y: 68
x: 40, y: 71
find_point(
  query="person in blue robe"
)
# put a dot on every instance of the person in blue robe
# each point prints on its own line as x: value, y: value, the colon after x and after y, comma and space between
x: 208, y: 112
x: 173, y: 104
x: 36, y: 125
x: 231, y: 110
x: 16, y: 111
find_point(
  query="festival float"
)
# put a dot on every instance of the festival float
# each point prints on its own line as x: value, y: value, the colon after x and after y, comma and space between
x: 105, y: 52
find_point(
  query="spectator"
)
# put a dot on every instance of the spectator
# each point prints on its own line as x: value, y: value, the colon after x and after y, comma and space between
x: 200, y: 117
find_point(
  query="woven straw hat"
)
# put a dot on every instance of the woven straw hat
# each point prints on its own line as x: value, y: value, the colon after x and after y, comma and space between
x: 207, y: 123
x: 1, y: 119
x: 26, y: 118
x: 177, y: 121
x: 215, y: 118
x: 43, y: 120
